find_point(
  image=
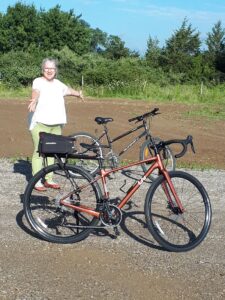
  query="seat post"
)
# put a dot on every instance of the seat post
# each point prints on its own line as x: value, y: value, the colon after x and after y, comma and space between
x: 107, y: 134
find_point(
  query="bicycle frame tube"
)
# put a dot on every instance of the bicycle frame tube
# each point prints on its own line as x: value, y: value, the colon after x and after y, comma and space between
x: 111, y: 141
x: 156, y: 164
x: 103, y: 175
x: 132, y: 143
x: 136, y: 185
x: 126, y: 133
x: 81, y: 208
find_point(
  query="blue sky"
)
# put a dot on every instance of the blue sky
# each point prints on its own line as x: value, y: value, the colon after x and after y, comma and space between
x: 135, y: 20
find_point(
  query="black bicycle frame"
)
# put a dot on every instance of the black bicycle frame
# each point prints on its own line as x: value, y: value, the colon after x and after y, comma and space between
x: 111, y: 141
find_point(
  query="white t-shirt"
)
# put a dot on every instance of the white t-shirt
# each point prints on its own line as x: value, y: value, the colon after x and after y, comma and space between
x: 50, y: 109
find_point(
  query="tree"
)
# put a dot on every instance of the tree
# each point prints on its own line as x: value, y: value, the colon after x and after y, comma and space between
x: 59, y: 29
x: 153, y: 52
x: 115, y: 48
x: 22, y: 27
x: 98, y: 40
x: 18, y: 27
x: 215, y: 39
x: 181, y: 48
x: 19, y: 68
x: 216, y: 47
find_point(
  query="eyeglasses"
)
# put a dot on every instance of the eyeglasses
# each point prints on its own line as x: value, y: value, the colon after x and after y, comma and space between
x: 49, y: 69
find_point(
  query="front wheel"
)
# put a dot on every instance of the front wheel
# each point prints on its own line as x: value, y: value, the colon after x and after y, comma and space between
x: 53, y: 220
x: 90, y: 165
x: 175, y: 230
x: 166, y: 154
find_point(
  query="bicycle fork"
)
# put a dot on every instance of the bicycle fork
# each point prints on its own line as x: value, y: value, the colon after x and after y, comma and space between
x: 167, y: 186
x: 171, y: 194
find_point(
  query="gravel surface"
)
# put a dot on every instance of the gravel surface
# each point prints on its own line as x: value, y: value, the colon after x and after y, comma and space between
x: 131, y: 266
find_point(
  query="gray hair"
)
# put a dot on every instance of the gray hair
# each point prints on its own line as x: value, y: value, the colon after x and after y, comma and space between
x: 52, y: 60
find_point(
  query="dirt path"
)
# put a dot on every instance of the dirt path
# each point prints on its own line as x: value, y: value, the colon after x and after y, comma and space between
x: 209, y: 137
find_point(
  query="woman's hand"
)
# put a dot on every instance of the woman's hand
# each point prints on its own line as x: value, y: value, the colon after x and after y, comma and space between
x: 32, y: 105
x: 81, y: 96
x: 76, y: 93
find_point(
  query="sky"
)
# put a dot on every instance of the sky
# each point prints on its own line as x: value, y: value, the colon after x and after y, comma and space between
x: 134, y: 21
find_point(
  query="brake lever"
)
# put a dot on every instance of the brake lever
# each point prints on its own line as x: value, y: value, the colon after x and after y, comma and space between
x: 192, y: 147
x: 190, y: 141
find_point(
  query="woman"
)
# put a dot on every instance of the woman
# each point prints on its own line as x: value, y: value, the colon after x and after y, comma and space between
x: 48, y: 113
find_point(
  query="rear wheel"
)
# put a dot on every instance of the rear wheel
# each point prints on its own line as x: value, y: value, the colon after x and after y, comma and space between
x: 175, y: 230
x: 167, y: 156
x: 90, y: 165
x: 51, y: 219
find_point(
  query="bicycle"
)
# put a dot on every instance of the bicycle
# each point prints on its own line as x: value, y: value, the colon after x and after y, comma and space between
x: 111, y: 158
x: 177, y: 207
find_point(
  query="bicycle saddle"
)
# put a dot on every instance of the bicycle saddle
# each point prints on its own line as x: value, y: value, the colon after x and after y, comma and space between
x: 101, y: 120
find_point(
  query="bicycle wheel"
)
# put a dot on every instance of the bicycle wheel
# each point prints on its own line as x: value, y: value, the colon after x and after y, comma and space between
x: 172, y: 229
x: 167, y: 157
x: 59, y: 223
x: 90, y: 165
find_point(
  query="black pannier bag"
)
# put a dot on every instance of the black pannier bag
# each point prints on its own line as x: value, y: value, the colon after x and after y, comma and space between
x: 54, y: 144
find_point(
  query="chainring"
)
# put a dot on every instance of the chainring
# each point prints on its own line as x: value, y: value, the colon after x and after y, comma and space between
x: 112, y: 216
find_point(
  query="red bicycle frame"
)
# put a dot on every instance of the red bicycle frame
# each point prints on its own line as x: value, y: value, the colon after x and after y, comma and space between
x: 156, y: 164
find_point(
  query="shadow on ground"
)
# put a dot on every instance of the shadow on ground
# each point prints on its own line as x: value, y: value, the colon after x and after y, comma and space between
x: 23, y: 167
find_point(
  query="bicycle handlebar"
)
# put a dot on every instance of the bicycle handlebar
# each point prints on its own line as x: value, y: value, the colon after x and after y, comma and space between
x: 152, y: 113
x: 184, y: 143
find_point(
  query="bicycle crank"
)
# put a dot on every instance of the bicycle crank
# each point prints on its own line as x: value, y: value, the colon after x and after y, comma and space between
x: 112, y: 216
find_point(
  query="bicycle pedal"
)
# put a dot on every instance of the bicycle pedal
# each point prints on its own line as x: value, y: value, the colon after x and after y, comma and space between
x: 116, y: 231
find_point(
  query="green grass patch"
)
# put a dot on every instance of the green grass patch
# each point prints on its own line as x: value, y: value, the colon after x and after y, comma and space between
x: 141, y: 90
x: 14, y: 93
x: 188, y: 94
x: 194, y: 166
x: 213, y: 112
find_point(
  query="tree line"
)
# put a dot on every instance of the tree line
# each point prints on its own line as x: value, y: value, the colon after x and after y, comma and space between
x: 27, y: 35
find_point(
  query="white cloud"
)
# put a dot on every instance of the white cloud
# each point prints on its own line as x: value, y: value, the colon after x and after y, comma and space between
x: 178, y: 13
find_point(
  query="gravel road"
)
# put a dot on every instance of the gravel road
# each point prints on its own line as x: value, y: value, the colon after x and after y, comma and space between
x: 131, y: 266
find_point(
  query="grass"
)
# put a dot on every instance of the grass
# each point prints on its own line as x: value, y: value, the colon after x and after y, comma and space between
x: 188, y: 94
x: 17, y: 94
x: 166, y: 93
x: 214, y: 112
x: 193, y: 166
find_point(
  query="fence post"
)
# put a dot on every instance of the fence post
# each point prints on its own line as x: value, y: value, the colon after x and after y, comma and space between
x: 82, y: 82
x: 201, y: 88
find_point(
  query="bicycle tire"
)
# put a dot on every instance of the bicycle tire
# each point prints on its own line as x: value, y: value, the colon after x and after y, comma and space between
x: 57, y: 223
x: 167, y: 157
x: 90, y: 165
x: 178, y: 232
